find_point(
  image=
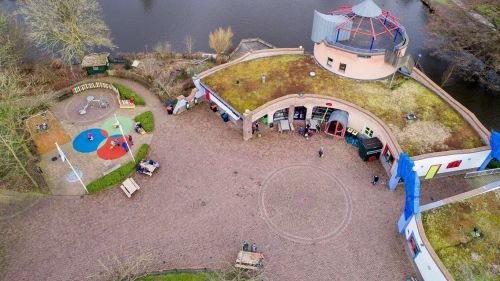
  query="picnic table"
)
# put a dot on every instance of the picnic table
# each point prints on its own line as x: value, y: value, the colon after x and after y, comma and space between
x: 249, y: 260
x: 129, y: 186
x: 283, y: 125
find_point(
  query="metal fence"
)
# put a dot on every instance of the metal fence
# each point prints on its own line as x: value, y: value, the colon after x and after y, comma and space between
x: 482, y: 173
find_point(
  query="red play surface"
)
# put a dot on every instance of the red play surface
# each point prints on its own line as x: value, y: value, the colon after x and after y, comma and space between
x: 107, y: 153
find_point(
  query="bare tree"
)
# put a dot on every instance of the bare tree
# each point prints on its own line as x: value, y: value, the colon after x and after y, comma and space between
x: 237, y: 275
x: 11, y: 41
x: 124, y: 269
x: 189, y: 41
x: 163, y: 49
x: 66, y: 29
x: 220, y: 40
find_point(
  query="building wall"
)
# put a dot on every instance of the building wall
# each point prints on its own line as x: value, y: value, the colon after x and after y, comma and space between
x: 471, y: 160
x: 357, y: 67
x: 358, y: 117
x: 427, y: 267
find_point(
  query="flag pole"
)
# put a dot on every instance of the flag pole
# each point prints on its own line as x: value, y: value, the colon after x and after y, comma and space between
x: 125, y: 139
x: 64, y: 159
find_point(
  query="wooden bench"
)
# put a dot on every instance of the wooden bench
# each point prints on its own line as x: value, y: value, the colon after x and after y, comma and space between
x: 129, y: 186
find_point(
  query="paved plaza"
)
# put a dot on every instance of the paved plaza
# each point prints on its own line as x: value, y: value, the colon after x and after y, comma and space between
x: 314, y: 219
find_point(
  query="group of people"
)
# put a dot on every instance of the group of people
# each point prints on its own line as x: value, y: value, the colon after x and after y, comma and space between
x: 42, y: 127
x: 308, y: 131
x: 116, y: 142
x: 247, y: 247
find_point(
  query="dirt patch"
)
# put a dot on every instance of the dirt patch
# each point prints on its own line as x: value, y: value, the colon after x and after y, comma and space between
x: 45, y: 140
x: 427, y: 136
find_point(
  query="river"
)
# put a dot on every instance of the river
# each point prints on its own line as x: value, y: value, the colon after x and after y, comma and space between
x: 137, y: 25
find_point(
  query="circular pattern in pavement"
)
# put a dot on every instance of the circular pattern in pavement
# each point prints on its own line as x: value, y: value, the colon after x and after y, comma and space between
x: 305, y: 204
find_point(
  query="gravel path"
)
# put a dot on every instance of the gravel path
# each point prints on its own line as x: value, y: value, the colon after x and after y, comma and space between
x: 204, y: 202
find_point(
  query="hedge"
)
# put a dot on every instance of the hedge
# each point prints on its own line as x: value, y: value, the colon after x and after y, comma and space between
x: 147, y: 121
x: 494, y: 164
x: 118, y: 175
x: 126, y: 93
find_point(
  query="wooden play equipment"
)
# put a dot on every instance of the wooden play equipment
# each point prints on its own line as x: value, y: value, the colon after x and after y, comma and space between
x: 249, y: 260
x: 124, y: 104
x: 129, y: 186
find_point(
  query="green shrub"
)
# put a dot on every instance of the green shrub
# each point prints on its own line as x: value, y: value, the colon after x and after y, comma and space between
x: 141, y: 153
x: 126, y: 93
x: 493, y: 164
x: 147, y: 121
x: 118, y: 175
x: 128, y: 64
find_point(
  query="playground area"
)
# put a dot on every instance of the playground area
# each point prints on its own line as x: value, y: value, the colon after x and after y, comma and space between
x: 46, y: 130
x: 87, y: 128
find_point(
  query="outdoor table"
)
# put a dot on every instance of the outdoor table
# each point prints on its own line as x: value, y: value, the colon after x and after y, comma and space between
x: 249, y: 260
x: 285, y: 126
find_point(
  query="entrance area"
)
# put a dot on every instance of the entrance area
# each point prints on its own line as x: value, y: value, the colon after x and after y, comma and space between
x: 337, y: 123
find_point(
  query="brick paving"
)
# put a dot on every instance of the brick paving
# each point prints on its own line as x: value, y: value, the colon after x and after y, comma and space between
x: 204, y: 201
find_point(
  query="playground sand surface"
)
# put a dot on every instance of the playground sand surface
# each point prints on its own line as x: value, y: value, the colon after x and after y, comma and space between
x: 45, y: 142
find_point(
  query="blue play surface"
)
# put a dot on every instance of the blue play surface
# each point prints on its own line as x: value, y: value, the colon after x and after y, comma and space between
x: 83, y: 145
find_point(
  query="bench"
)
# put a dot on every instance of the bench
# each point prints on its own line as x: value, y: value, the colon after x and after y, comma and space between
x: 129, y: 186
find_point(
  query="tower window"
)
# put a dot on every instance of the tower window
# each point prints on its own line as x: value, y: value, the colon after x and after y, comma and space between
x: 329, y: 62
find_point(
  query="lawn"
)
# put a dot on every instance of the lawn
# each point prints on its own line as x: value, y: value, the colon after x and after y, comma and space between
x: 438, y: 128
x: 147, y: 121
x: 182, y: 276
x: 118, y: 175
x: 449, y: 229
x: 126, y: 93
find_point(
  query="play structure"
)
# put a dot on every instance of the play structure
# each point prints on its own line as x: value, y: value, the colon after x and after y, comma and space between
x: 124, y: 104
x: 361, y: 41
x: 45, y: 131
x: 93, y: 102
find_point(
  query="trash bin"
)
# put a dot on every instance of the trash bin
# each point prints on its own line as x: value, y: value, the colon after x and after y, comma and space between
x: 225, y: 117
x: 170, y: 108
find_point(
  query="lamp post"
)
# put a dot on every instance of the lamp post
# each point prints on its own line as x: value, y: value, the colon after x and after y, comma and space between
x: 418, y: 60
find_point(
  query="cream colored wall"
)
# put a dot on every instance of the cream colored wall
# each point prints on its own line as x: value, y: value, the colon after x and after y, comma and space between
x: 358, y: 117
x: 357, y: 68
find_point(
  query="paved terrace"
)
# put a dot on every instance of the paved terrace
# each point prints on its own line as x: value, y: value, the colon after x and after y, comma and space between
x: 315, y: 219
x: 438, y: 127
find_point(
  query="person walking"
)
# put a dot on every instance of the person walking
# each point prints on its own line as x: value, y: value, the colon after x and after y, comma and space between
x: 375, y: 180
x: 130, y: 140
x: 321, y: 152
x: 90, y: 136
x: 245, y: 246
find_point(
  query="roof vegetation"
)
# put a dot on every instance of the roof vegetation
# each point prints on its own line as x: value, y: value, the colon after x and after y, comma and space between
x: 450, y: 230
x: 438, y: 126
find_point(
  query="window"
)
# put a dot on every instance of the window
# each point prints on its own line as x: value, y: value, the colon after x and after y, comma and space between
x: 364, y: 56
x: 412, y: 244
x: 281, y: 115
x: 321, y: 113
x: 368, y: 132
x: 329, y: 62
x: 95, y: 68
x: 300, y: 113
x: 342, y: 67
x: 454, y: 164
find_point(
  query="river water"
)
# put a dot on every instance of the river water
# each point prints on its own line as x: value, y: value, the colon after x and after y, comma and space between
x: 137, y: 25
